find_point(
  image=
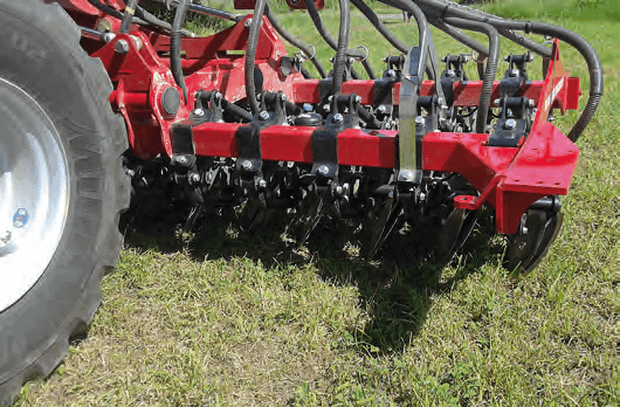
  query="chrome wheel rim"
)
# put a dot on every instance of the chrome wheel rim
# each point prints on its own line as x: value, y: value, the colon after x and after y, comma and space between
x: 34, y: 192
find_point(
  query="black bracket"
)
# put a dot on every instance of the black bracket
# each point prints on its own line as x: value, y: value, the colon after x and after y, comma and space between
x: 183, y: 148
x: 454, y: 72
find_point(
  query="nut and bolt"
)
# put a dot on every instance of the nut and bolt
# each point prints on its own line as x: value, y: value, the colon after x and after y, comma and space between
x: 195, y: 177
x: 248, y: 23
x: 121, y: 47
x: 198, y: 112
x: 391, y: 73
x: 450, y: 73
x: 358, y: 99
x: 246, y: 165
x: 263, y: 115
x: 510, y: 124
x: 338, y: 118
x: 420, y: 120
x: 181, y: 159
x: 107, y: 37
x: 323, y: 170
x: 381, y: 109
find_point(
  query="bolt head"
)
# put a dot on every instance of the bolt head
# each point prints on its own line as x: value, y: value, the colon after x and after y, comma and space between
x: 391, y: 73
x: 420, y: 120
x: 198, y: 112
x: 450, y: 73
x: 339, y: 190
x: 496, y: 102
x: 195, y: 177
x: 338, y: 118
x: 248, y: 23
x: 514, y: 73
x: 263, y: 115
x: 326, y: 107
x: 246, y: 165
x: 358, y: 99
x: 323, y: 169
x: 531, y: 102
x: 510, y: 124
x: 283, y: 97
x: 405, y: 175
x: 381, y: 109
x: 121, y: 47
x: 181, y: 159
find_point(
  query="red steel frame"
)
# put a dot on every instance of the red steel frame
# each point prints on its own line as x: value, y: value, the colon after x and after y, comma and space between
x: 508, y: 179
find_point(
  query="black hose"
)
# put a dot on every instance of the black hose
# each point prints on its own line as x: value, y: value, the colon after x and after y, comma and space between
x: 376, y: 22
x: 526, y: 43
x: 295, y: 42
x: 175, y: 47
x: 491, y: 68
x: 371, y: 121
x: 318, y: 23
x: 250, y: 55
x: 368, y: 68
x: 417, y: 13
x: 130, y: 10
x: 461, y: 37
x: 341, y: 49
x: 106, y: 9
x: 239, y: 111
x: 154, y: 21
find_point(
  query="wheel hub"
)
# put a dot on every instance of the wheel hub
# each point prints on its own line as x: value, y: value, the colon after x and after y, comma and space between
x: 34, y: 192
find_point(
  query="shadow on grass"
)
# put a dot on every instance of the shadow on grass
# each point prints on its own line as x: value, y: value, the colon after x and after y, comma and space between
x: 397, y: 294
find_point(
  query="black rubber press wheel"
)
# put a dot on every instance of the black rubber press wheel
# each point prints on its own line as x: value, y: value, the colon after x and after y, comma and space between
x: 62, y: 187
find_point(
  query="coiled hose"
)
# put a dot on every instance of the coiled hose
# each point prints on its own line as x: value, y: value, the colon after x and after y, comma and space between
x: 341, y: 49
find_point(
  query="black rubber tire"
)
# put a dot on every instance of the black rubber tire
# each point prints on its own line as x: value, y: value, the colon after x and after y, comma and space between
x: 40, y: 52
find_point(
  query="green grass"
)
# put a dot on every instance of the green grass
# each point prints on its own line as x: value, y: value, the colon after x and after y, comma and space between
x: 218, y: 319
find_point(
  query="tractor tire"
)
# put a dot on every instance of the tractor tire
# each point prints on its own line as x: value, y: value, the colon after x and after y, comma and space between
x: 62, y: 189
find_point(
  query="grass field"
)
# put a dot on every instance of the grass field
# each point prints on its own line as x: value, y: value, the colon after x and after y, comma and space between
x: 221, y: 319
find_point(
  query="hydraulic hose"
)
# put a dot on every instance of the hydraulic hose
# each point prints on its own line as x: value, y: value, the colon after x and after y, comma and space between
x: 250, y: 55
x: 575, y: 40
x: 106, y: 9
x: 376, y: 22
x: 341, y: 49
x: 461, y: 37
x: 130, y: 10
x: 318, y: 23
x: 417, y: 13
x: 175, y: 47
x: 491, y: 68
x: 295, y: 42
